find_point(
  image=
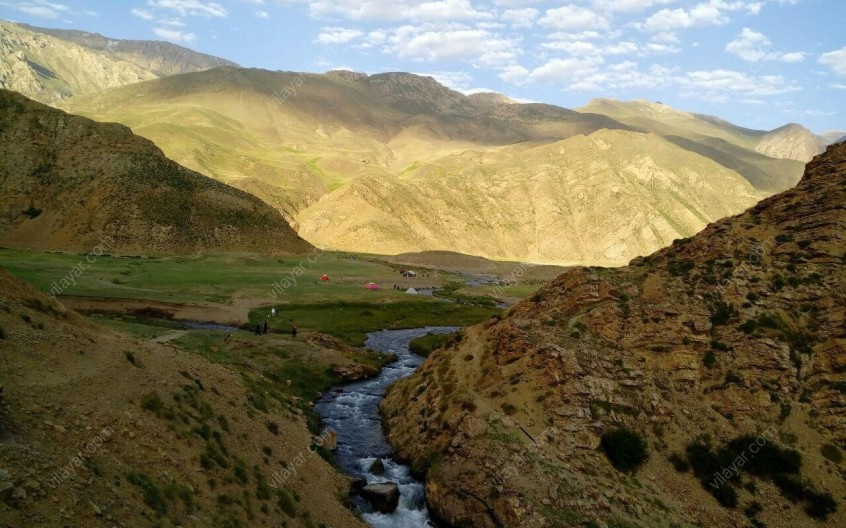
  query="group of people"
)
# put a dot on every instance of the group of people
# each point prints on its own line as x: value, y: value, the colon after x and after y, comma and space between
x: 262, y: 328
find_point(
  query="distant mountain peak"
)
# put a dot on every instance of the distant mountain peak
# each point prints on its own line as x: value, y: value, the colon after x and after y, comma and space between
x: 347, y: 75
x: 791, y: 141
x: 83, y: 62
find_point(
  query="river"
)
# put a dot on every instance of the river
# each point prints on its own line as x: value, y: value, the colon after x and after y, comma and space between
x: 353, y: 412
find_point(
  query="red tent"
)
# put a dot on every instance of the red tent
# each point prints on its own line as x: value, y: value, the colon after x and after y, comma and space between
x: 372, y: 286
x: 325, y: 278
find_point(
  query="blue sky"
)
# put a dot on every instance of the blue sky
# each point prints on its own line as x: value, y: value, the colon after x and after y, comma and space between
x: 758, y: 63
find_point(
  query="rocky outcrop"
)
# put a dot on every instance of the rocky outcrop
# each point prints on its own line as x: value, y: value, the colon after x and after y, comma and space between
x: 736, y: 331
x: 790, y: 142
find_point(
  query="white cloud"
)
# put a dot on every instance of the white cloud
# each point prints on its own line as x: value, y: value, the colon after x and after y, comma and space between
x: 722, y: 85
x: 752, y: 46
x: 338, y: 35
x: 437, y: 42
x: 262, y: 14
x: 190, y: 7
x: 174, y: 22
x: 836, y: 60
x: 427, y: 11
x: 521, y: 17
x: 41, y: 8
x: 566, y: 70
x: 710, y: 13
x: 514, y: 74
x: 174, y: 35
x: 570, y: 18
x: 140, y: 13
x: 629, y: 6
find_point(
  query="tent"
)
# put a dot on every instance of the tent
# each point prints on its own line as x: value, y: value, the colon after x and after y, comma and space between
x: 411, y: 291
x: 409, y: 273
x: 372, y: 286
x: 325, y: 278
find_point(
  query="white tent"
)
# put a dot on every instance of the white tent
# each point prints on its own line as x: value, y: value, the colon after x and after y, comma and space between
x: 411, y: 291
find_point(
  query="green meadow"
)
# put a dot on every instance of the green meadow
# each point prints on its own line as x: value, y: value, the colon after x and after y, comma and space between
x: 341, y: 307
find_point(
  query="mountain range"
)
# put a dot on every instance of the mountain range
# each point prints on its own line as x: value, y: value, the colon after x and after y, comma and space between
x: 50, y: 65
x: 359, y: 162
x: 396, y: 162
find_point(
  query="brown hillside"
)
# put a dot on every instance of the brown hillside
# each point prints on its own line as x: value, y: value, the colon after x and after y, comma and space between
x: 736, y: 331
x: 98, y: 429
x: 73, y: 184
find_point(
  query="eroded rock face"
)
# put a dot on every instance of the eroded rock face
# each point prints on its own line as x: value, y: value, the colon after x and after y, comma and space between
x: 738, y: 330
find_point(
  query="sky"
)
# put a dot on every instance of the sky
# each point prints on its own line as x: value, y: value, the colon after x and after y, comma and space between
x: 757, y: 63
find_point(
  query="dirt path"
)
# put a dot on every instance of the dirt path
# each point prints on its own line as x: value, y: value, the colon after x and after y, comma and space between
x: 170, y: 336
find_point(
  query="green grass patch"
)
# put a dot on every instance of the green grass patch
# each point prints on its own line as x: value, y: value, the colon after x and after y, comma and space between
x: 350, y: 321
x: 428, y: 343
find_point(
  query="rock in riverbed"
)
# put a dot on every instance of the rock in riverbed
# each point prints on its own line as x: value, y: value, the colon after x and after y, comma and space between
x: 383, y: 497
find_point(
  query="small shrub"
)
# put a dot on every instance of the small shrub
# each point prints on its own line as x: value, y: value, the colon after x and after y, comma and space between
x: 286, y: 502
x: 723, y: 312
x: 31, y: 212
x: 152, y: 402
x: 152, y: 494
x: 273, y: 427
x: 709, y: 359
x: 679, y: 463
x: 626, y: 449
x: 241, y: 471
x: 832, y: 453
x: 508, y: 409
x: 131, y: 358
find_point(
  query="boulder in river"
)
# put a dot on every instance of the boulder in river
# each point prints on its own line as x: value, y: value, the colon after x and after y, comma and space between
x: 357, y: 484
x: 384, y: 497
x: 378, y: 467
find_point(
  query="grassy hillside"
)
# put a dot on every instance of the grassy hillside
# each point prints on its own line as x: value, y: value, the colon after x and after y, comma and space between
x: 360, y: 162
x: 70, y: 183
x: 134, y: 425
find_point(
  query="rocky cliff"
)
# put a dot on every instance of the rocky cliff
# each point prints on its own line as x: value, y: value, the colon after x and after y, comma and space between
x: 703, y: 385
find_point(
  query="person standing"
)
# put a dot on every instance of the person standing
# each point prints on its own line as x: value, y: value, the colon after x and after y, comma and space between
x: 294, y: 330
